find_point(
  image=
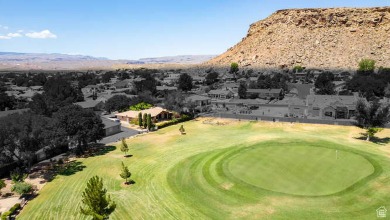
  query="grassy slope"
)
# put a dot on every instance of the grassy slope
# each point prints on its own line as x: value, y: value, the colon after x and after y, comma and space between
x: 181, y: 177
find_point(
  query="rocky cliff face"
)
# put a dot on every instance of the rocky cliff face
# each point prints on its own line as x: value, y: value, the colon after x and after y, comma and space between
x: 314, y: 38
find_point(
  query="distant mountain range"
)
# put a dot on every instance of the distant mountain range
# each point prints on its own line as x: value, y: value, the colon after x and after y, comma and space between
x: 183, y: 59
x: 39, y: 57
x: 57, y: 61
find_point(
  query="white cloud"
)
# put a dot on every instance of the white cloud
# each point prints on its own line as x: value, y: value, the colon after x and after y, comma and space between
x: 14, y: 35
x: 2, y: 37
x: 10, y: 36
x: 41, y: 35
x: 20, y: 31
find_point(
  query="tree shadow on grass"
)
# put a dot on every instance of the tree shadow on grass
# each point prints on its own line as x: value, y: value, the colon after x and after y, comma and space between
x: 98, y: 150
x: 375, y: 140
x: 71, y: 168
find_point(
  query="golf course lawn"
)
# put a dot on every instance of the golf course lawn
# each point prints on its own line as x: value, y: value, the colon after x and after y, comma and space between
x: 233, y: 170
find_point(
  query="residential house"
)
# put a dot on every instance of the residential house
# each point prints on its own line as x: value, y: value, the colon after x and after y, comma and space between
x: 265, y: 93
x: 300, y: 90
x: 199, y: 79
x: 111, y: 127
x: 339, y: 85
x: 171, y: 79
x: 166, y: 88
x: 202, y: 103
x: 36, y: 88
x: 90, y: 89
x: 220, y: 94
x: 331, y: 106
x: 157, y: 114
x: 124, y: 84
x: 297, y: 107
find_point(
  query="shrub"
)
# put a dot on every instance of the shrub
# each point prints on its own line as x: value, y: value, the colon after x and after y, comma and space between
x: 5, y: 215
x: 17, y: 175
x: 21, y: 188
x: 298, y: 69
x: 183, y: 118
x: 14, y: 208
x: 134, y: 121
x: 367, y: 65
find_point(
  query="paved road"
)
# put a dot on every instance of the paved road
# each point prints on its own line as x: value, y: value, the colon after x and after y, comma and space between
x: 126, y: 132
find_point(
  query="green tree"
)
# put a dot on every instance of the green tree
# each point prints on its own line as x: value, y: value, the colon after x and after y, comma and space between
x: 95, y: 201
x: 145, y: 120
x: 324, y: 84
x: 82, y: 126
x: 117, y: 103
x: 366, y: 66
x: 149, y: 122
x: 387, y: 91
x: 211, y: 78
x: 234, y: 69
x: 185, y: 82
x: 2, y: 185
x: 125, y: 174
x: 140, y: 119
x: 242, y: 91
x: 371, y: 117
x: 124, y: 146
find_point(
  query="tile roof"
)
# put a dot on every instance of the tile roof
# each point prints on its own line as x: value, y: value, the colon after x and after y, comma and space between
x: 134, y: 114
x: 331, y: 100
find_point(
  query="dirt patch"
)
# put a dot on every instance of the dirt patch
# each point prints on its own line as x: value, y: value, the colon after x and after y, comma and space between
x: 227, y: 186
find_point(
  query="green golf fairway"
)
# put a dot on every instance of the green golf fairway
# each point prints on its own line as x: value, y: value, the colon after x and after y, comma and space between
x: 299, y: 170
x: 232, y: 170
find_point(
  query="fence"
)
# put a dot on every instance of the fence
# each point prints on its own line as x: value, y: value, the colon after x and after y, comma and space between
x: 282, y: 119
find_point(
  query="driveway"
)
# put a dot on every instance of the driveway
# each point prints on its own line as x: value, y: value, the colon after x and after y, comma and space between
x: 126, y: 132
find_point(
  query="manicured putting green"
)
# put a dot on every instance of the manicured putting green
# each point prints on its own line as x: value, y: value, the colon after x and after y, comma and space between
x: 299, y: 170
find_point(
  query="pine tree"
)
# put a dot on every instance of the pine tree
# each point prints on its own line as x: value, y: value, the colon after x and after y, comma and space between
x: 145, y: 120
x: 149, y: 122
x: 95, y: 201
x: 125, y: 174
x: 140, y: 119
x: 124, y: 146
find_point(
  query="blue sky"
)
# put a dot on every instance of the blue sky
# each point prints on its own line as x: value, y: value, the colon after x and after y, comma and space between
x: 120, y: 29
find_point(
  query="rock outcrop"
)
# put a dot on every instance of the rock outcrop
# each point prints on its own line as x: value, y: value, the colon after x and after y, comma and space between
x: 314, y: 38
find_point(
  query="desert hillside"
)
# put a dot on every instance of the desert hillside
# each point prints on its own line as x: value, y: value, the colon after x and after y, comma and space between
x: 314, y: 38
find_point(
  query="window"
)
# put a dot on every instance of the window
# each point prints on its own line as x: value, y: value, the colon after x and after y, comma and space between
x: 329, y: 114
x: 351, y: 113
x: 316, y: 108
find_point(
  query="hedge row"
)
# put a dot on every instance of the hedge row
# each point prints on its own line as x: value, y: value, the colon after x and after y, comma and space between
x: 174, y: 121
x: 14, y: 208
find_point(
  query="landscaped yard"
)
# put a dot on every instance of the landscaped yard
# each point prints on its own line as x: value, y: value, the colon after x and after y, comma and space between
x: 231, y: 170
